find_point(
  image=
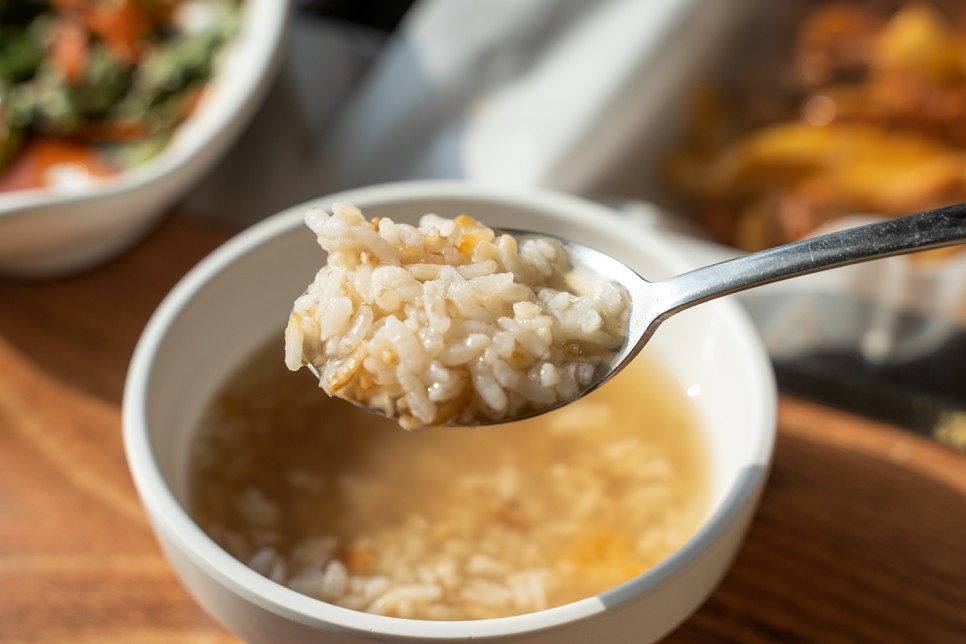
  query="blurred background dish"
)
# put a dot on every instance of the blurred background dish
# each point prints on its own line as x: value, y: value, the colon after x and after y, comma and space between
x: 864, y: 112
x: 855, y: 113
x: 112, y: 111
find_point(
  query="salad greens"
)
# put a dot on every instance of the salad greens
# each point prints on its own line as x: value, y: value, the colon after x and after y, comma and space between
x: 116, y: 74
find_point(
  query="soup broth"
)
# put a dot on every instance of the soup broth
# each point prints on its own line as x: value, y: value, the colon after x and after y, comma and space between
x: 444, y: 523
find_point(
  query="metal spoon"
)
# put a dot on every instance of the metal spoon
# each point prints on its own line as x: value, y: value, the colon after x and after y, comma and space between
x: 654, y: 302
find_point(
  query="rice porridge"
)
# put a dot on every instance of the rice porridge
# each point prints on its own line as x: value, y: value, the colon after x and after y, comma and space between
x: 449, y: 322
x: 444, y: 523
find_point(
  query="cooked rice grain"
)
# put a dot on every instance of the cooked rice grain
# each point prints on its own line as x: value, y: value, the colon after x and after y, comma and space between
x: 444, y: 524
x: 449, y: 322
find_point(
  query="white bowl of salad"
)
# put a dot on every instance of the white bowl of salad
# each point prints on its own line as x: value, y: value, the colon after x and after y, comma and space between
x: 110, y: 110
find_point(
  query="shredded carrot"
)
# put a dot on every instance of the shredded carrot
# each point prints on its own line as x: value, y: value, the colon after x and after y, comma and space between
x: 69, y: 50
x: 121, y: 25
x: 41, y: 154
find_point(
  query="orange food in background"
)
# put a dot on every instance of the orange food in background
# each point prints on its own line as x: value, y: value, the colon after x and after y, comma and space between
x: 874, y: 123
x: 44, y: 153
x: 68, y: 49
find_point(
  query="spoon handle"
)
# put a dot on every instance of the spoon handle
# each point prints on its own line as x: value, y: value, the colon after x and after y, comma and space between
x: 930, y: 229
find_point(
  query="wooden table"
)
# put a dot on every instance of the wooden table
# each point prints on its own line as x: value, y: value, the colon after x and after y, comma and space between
x: 861, y: 535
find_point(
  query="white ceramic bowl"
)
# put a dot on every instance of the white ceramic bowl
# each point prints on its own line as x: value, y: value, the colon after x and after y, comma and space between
x: 240, y: 296
x: 49, y: 231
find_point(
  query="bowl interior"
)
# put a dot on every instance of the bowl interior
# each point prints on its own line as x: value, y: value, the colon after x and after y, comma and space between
x: 240, y: 297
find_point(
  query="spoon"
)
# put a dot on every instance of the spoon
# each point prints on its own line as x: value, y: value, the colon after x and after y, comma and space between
x: 651, y: 303
x: 654, y: 302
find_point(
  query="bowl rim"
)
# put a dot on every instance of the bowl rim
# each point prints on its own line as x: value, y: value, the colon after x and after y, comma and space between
x: 176, y: 524
x: 257, y: 45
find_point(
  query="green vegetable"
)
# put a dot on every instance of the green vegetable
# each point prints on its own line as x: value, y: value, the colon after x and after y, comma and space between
x: 130, y: 111
x: 105, y: 83
x: 20, y: 54
x: 11, y: 139
x: 43, y: 105
x: 128, y: 155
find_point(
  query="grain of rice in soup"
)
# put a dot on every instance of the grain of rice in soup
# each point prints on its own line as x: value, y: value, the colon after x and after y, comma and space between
x: 441, y: 524
x: 448, y: 322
